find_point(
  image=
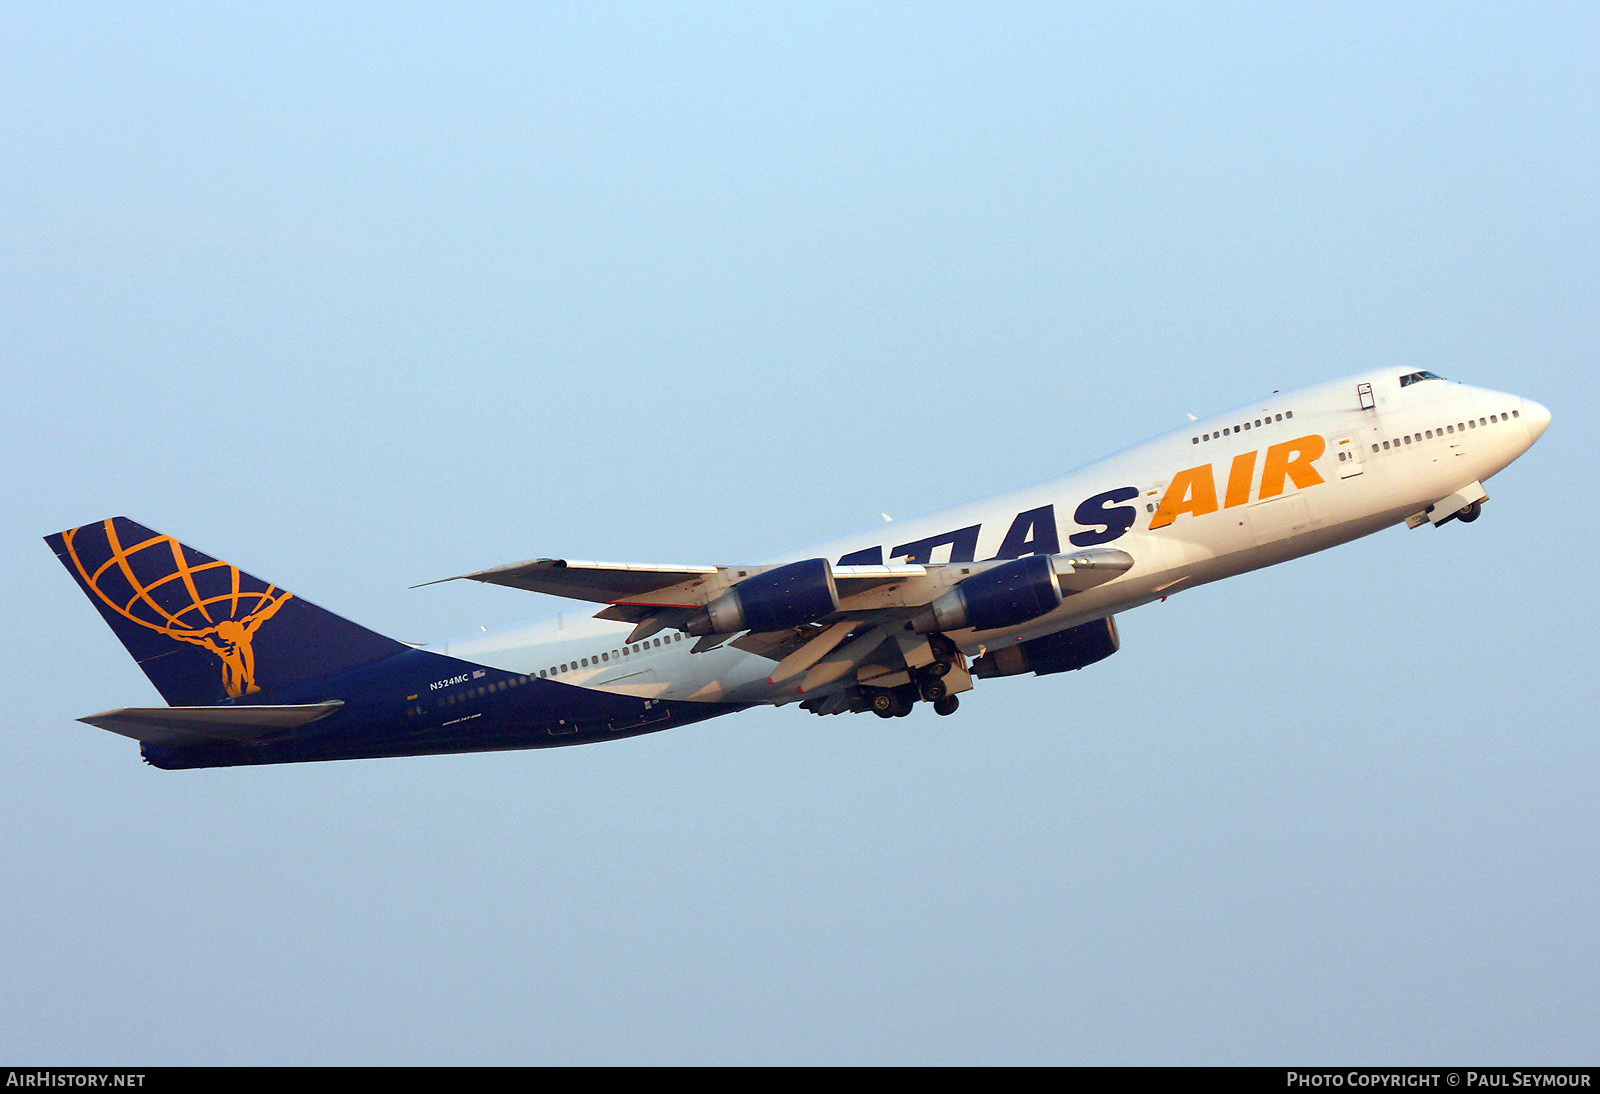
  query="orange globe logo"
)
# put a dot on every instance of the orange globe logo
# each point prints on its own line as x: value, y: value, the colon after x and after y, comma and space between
x: 158, y: 585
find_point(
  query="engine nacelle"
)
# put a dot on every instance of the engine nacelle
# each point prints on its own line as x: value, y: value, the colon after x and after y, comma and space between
x: 1073, y: 648
x: 787, y: 596
x: 1002, y: 596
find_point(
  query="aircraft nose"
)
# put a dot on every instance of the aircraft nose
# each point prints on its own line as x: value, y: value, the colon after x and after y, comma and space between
x: 1537, y: 419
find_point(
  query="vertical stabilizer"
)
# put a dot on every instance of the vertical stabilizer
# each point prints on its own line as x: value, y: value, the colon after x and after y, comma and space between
x: 203, y: 630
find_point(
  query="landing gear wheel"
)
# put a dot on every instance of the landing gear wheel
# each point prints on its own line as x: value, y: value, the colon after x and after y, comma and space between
x: 1470, y: 513
x: 946, y: 706
x: 885, y: 704
x: 933, y: 690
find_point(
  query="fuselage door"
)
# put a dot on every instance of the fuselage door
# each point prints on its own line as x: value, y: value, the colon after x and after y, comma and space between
x: 1347, y: 456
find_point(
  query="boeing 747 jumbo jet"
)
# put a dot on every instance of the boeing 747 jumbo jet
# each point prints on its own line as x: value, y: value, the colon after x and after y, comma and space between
x: 1027, y: 581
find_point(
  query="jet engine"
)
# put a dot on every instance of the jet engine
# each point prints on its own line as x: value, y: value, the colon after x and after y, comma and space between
x: 783, y: 597
x: 1002, y: 596
x: 1073, y: 648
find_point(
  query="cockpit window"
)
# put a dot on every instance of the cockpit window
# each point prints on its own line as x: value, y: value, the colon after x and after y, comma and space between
x: 1417, y: 378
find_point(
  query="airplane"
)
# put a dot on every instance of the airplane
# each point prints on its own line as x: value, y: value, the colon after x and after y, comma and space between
x: 1029, y: 581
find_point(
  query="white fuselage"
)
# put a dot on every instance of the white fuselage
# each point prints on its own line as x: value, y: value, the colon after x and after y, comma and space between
x: 1274, y: 479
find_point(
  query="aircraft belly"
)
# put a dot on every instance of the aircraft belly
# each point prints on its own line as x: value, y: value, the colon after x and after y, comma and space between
x: 542, y: 714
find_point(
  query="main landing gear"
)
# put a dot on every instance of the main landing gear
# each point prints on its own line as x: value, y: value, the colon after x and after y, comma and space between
x: 897, y: 703
x: 933, y: 673
x: 890, y: 704
x: 928, y: 686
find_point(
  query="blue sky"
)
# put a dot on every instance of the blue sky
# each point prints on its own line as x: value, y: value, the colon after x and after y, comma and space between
x: 362, y: 296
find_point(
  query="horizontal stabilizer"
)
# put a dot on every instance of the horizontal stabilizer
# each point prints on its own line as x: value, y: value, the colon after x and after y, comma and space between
x: 203, y: 725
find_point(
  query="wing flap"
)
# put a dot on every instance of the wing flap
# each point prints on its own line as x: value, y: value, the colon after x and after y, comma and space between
x: 203, y: 725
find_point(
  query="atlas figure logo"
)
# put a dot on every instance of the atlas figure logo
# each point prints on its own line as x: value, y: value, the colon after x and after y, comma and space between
x: 157, y: 585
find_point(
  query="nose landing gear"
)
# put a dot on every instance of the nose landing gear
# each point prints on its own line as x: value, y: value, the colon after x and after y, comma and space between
x: 1464, y: 505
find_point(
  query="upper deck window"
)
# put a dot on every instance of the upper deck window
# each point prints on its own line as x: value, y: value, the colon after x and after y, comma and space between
x: 1417, y: 378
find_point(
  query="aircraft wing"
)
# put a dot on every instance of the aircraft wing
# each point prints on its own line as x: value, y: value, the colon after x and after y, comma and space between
x: 876, y: 597
x: 650, y: 585
x: 607, y: 582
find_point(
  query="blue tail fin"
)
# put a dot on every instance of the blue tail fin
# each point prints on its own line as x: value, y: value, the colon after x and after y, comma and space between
x: 205, y: 631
